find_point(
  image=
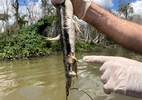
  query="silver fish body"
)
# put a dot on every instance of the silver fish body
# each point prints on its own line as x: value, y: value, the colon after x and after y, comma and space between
x: 67, y: 39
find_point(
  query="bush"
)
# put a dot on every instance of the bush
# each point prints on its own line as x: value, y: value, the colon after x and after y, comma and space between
x: 27, y: 45
x: 56, y: 46
x: 40, y: 26
x: 90, y: 46
x: 27, y: 41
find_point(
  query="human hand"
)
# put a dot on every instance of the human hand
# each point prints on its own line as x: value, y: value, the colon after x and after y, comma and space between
x: 80, y: 7
x: 120, y: 75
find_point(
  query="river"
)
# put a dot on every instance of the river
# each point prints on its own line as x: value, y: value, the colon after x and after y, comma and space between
x: 42, y: 78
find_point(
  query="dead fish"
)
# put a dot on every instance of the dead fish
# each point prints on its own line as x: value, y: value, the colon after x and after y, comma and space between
x: 67, y: 40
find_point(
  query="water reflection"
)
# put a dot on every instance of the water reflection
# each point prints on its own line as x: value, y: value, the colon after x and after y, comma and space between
x: 43, y: 79
x: 34, y: 79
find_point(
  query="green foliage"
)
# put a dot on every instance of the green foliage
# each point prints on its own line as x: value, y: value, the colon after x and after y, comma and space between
x: 90, y: 46
x: 27, y: 45
x: 27, y: 41
x: 22, y: 21
x: 56, y: 46
x: 125, y: 8
x: 4, y: 16
x: 40, y: 26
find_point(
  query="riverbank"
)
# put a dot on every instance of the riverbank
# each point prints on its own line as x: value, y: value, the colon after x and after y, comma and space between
x: 29, y: 41
x: 36, y: 46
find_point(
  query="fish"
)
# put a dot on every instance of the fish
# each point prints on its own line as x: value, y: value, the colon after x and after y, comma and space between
x: 67, y: 39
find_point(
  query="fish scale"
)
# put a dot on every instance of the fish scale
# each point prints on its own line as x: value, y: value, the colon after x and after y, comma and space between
x: 67, y: 40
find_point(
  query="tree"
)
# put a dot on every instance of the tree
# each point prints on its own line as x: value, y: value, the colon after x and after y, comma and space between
x: 32, y: 13
x: 47, y: 8
x: 3, y: 16
x: 6, y: 9
x: 125, y: 8
x: 87, y: 33
x: 15, y: 5
x: 137, y: 18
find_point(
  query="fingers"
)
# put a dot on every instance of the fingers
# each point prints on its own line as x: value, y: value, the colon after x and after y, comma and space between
x: 104, y: 69
x: 105, y: 77
x: 108, y: 87
x: 55, y: 2
x: 96, y: 59
x: 105, y: 66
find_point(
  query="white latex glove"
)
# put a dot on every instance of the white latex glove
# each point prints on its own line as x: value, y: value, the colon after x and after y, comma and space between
x: 80, y: 7
x: 120, y: 75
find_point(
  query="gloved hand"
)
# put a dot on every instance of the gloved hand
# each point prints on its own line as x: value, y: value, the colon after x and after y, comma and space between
x: 80, y: 7
x: 120, y: 75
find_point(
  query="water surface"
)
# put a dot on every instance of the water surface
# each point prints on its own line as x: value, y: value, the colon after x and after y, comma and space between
x: 43, y: 78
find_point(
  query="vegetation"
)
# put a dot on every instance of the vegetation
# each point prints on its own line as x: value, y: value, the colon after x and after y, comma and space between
x: 27, y: 41
x: 126, y: 9
x: 30, y: 41
x: 26, y: 36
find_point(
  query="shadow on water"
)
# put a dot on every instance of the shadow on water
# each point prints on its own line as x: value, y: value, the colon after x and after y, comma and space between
x: 43, y: 78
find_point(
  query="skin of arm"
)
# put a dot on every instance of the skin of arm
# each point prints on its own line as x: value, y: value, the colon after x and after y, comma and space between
x: 125, y: 33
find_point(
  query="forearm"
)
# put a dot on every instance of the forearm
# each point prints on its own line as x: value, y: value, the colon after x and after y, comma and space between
x: 125, y: 33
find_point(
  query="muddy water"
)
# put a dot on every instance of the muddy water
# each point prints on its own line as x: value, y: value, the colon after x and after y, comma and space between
x: 43, y: 78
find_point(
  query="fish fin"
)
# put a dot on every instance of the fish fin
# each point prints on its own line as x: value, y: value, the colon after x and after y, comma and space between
x: 77, y: 26
x: 54, y: 39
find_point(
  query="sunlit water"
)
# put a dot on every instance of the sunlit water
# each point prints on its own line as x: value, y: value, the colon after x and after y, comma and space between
x: 43, y: 78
